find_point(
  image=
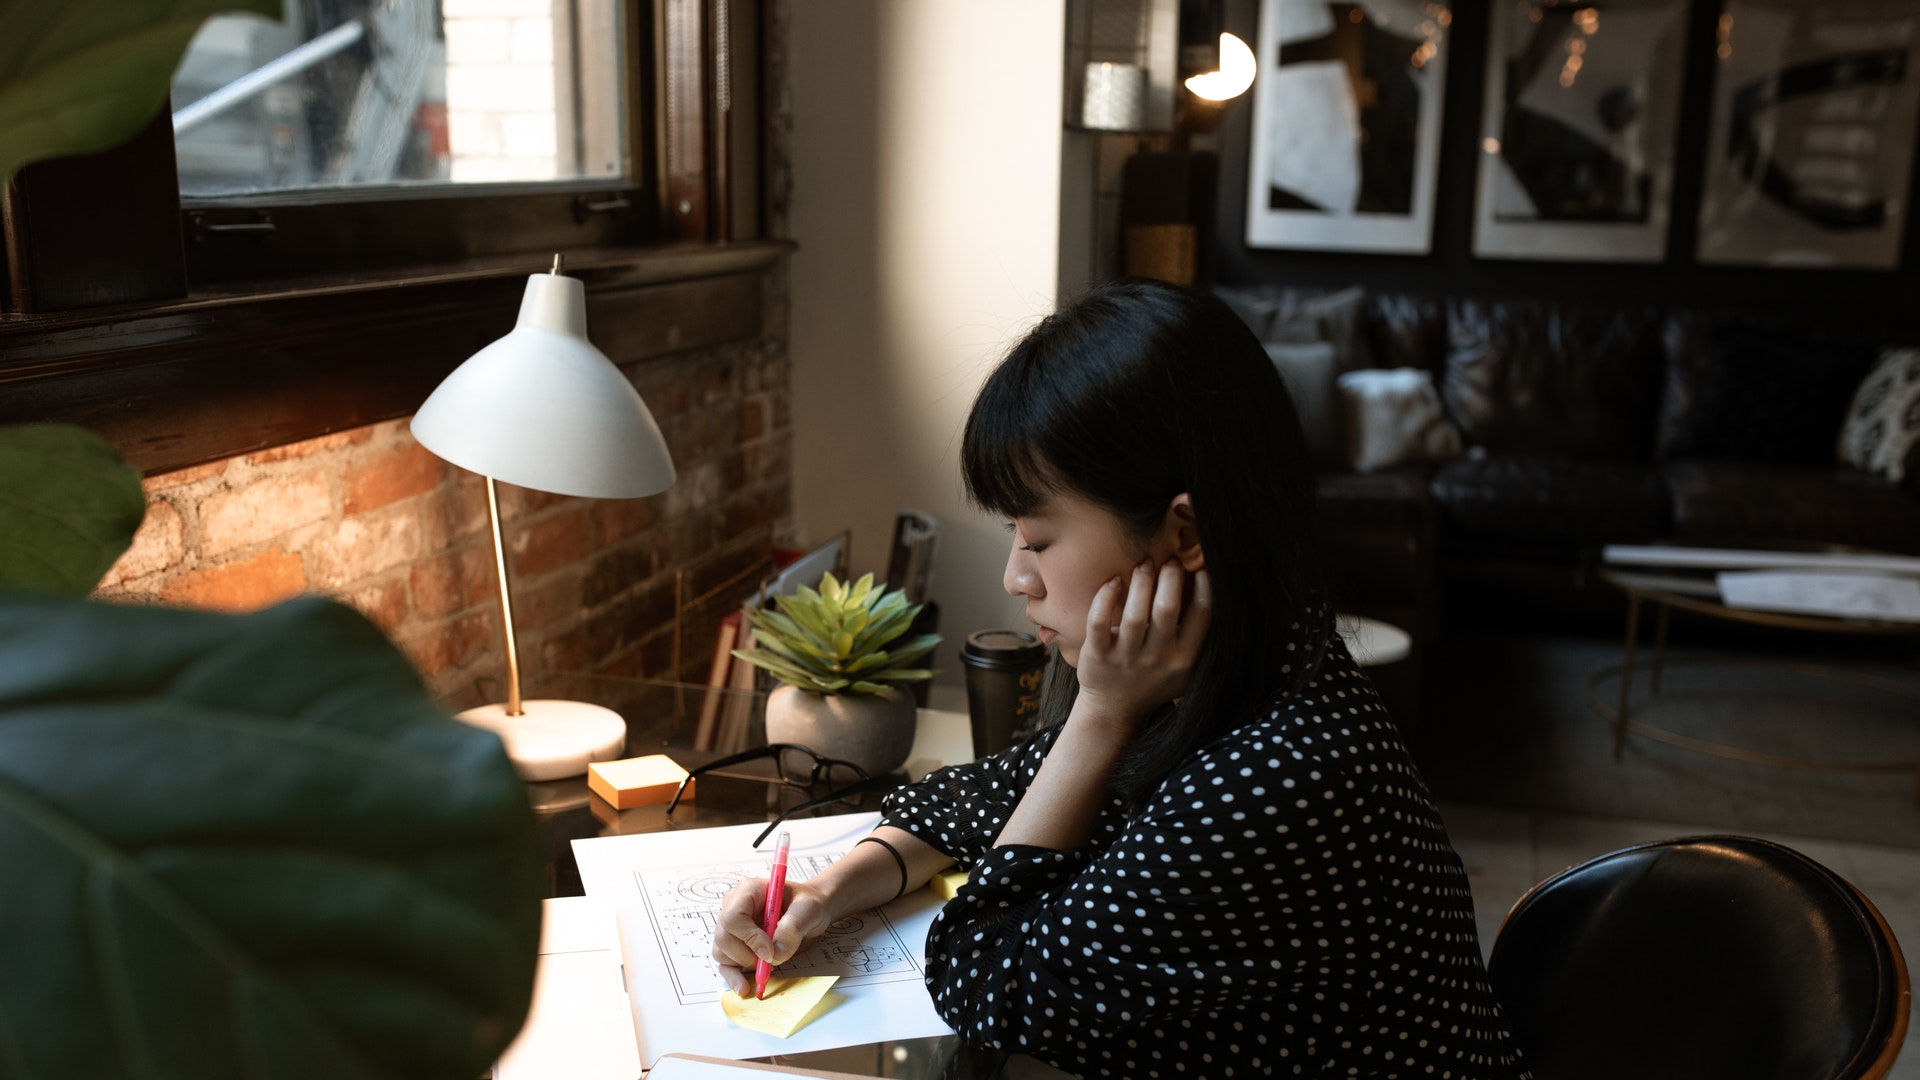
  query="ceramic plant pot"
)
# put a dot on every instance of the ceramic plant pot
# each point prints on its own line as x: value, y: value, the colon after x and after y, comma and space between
x: 874, y: 731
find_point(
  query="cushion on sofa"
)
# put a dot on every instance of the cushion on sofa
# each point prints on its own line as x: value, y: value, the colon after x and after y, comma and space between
x: 1540, y: 377
x: 1394, y: 418
x: 1309, y: 370
x: 1564, y: 501
x: 1882, y: 426
x: 1755, y: 502
x: 1752, y: 393
x: 1290, y: 316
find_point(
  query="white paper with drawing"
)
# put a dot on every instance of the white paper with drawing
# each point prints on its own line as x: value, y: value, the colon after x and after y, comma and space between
x: 666, y: 889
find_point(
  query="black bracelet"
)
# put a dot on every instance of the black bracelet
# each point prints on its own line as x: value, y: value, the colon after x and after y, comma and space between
x: 902, y: 863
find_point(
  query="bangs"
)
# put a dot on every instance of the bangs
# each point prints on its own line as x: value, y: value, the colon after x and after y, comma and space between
x: 1000, y: 464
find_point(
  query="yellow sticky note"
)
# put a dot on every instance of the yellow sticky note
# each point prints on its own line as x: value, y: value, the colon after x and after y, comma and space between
x: 946, y: 884
x: 789, y: 1004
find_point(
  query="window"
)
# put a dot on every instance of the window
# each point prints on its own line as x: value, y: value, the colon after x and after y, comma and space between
x: 353, y: 135
x: 283, y: 270
x: 350, y: 94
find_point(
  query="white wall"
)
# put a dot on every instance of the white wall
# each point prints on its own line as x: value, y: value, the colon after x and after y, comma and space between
x: 926, y: 186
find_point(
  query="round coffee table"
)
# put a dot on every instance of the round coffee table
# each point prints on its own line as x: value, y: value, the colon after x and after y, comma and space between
x: 1696, y: 590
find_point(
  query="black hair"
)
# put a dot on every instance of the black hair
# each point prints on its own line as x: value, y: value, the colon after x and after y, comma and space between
x: 1126, y: 397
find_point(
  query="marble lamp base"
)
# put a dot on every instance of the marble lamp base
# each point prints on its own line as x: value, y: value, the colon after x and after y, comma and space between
x: 553, y: 739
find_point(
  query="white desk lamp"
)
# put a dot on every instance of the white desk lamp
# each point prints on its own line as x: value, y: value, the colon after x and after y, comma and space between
x: 542, y: 408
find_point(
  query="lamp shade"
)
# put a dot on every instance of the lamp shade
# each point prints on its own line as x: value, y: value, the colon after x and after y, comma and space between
x: 542, y: 408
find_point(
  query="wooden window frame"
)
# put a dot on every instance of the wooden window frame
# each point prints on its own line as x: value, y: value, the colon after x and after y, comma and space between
x: 182, y: 342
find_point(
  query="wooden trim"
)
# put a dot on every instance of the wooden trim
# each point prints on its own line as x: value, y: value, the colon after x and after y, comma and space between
x: 747, y: 122
x: 179, y: 384
x: 311, y: 239
x: 720, y: 65
x: 1903, y: 992
x: 685, y: 91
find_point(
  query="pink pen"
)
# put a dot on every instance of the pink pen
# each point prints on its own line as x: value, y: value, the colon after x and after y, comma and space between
x: 776, y: 902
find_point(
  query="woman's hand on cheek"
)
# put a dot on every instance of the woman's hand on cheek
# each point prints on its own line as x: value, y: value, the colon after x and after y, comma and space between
x: 1142, y: 642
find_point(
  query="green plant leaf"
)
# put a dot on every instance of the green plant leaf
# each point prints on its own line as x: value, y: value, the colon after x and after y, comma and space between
x: 831, y: 588
x: 810, y: 621
x: 68, y: 508
x: 79, y: 76
x: 915, y: 649
x: 868, y: 662
x: 781, y: 666
x: 775, y: 626
x: 801, y: 652
x: 861, y: 590
x: 881, y: 631
x: 250, y: 846
x: 820, y: 682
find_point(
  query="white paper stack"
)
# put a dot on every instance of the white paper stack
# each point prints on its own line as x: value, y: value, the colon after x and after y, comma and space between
x: 581, y: 1024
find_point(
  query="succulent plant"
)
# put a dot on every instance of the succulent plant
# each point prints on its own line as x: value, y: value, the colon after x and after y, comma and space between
x: 833, y: 641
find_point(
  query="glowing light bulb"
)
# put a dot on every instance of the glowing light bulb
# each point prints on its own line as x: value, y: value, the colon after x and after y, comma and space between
x: 1235, y: 75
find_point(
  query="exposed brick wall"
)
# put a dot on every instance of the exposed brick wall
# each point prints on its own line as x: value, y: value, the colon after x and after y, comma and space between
x: 370, y: 517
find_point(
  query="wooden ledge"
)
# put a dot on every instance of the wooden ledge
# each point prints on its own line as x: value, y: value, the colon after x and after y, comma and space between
x: 184, y: 382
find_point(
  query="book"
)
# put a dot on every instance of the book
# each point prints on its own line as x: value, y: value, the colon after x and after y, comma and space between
x: 719, y: 674
x: 910, y: 562
x: 736, y: 713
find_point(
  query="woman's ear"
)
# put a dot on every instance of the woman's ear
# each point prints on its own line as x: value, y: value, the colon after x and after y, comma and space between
x: 1181, y: 529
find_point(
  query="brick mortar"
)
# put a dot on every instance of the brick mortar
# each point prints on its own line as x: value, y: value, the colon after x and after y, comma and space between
x: 722, y: 384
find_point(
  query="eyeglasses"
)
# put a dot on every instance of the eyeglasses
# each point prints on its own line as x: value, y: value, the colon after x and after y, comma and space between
x: 795, y: 766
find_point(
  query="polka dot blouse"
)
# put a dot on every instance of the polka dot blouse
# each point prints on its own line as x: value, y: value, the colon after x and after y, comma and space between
x: 1286, y: 903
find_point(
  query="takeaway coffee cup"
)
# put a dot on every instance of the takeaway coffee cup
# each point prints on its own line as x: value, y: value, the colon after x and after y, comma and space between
x: 1004, y: 671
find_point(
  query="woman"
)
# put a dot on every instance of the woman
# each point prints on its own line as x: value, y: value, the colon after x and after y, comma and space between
x: 1218, y: 858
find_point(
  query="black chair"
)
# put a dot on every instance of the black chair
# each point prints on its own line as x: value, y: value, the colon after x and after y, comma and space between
x: 1704, y: 957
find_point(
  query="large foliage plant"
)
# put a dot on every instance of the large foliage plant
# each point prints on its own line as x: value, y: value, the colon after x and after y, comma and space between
x: 80, y: 76
x: 234, y: 846
x: 230, y: 846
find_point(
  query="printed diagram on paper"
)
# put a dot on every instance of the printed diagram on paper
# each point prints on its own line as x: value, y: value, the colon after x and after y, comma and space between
x: 684, y: 901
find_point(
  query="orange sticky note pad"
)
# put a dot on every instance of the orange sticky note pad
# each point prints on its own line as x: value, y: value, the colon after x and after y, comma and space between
x: 638, y: 781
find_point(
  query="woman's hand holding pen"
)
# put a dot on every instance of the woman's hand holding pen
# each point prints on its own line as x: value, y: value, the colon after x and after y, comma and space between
x: 1143, y: 639
x: 865, y: 877
x: 739, y: 942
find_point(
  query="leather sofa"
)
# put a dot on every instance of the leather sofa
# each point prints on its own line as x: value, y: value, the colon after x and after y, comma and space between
x: 1586, y: 425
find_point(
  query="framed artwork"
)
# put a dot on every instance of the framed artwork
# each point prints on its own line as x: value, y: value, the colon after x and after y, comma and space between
x: 1577, y: 141
x: 1346, y: 124
x: 1811, y: 143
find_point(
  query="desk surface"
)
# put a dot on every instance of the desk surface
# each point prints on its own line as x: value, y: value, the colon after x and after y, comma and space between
x: 661, y: 718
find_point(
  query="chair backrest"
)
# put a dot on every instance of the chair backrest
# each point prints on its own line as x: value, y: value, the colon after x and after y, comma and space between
x: 1701, y: 957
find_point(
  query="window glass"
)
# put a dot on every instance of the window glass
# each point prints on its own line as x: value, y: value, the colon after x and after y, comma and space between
x: 362, y: 93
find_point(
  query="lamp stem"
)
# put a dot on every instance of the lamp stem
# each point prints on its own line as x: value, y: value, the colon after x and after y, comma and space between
x: 506, y: 607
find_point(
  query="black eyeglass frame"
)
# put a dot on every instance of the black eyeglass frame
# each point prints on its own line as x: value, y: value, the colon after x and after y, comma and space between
x: 821, y: 765
x: 837, y: 794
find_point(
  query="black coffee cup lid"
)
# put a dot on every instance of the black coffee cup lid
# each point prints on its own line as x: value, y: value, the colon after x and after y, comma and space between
x: 1002, y: 648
